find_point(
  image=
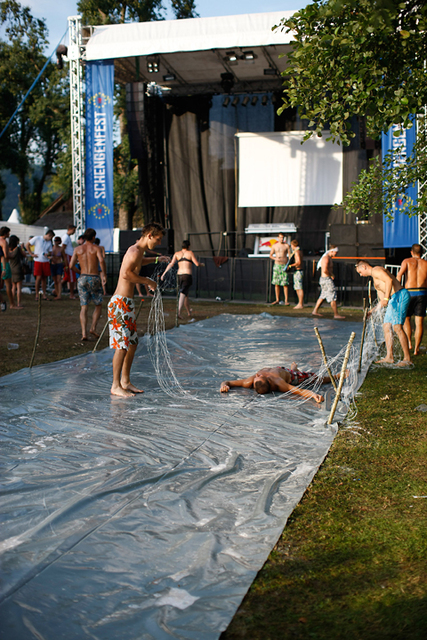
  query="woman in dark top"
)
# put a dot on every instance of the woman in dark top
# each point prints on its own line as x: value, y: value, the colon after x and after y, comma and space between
x: 17, y: 256
x: 185, y: 260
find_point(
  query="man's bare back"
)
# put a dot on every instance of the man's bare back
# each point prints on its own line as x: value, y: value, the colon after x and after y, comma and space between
x: 385, y: 283
x: 415, y: 272
x: 90, y: 258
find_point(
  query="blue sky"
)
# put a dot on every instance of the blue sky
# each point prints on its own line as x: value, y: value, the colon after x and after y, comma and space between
x: 55, y: 12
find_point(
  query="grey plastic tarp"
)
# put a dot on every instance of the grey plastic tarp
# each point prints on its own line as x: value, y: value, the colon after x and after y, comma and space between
x: 150, y: 517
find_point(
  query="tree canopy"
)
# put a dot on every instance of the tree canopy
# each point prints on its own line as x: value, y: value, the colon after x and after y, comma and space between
x: 118, y: 11
x: 357, y: 57
x: 32, y: 142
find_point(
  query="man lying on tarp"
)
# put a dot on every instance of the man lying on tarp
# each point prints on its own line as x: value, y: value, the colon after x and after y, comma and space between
x: 278, y: 379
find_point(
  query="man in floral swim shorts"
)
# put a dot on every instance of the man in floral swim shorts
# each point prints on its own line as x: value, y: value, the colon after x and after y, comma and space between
x: 121, y: 310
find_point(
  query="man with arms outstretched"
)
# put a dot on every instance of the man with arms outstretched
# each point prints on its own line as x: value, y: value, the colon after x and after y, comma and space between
x: 89, y: 285
x: 415, y: 271
x: 396, y: 299
x: 121, y: 309
x: 278, y: 379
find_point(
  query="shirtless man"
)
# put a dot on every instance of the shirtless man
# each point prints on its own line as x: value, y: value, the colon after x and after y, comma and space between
x: 298, y: 273
x: 277, y: 379
x: 121, y: 309
x: 396, y: 299
x: 89, y: 285
x: 328, y: 289
x: 415, y: 271
x: 279, y: 253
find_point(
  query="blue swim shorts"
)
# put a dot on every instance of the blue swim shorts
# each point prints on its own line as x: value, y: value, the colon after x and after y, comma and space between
x: 397, y: 307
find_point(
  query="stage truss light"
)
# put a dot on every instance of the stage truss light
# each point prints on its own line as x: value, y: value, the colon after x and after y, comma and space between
x: 226, y: 101
x: 153, y: 65
x: 248, y: 56
x: 245, y: 101
x: 235, y: 101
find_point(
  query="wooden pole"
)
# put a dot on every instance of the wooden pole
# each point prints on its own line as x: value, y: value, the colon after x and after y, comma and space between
x: 365, y: 317
x: 100, y: 337
x: 342, y: 376
x: 325, y: 360
x: 139, y: 309
x: 39, y: 313
x: 177, y: 303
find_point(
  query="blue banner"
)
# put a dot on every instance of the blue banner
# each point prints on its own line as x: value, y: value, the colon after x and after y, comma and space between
x: 402, y: 231
x: 99, y: 150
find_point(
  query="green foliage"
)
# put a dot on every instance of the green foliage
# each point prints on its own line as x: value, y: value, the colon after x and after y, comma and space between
x: 384, y: 183
x: 119, y: 11
x: 357, y: 57
x: 36, y: 135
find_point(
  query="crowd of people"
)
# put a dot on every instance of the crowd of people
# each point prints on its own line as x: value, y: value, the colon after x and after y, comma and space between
x: 402, y: 296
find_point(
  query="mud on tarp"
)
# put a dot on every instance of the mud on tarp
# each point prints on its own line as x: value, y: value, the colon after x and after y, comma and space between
x: 150, y: 517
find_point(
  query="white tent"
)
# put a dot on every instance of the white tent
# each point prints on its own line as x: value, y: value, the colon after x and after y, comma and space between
x: 14, y: 216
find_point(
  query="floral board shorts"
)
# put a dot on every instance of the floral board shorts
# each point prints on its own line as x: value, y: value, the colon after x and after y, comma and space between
x: 328, y: 290
x: 280, y: 275
x: 298, y: 279
x: 298, y: 377
x: 122, y: 325
x: 397, y: 307
x: 90, y: 288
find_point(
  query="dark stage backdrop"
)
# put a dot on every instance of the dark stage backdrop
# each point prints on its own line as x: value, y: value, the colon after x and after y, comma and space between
x: 199, y: 162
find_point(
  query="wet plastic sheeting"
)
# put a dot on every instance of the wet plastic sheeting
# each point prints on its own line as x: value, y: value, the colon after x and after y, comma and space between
x: 150, y: 517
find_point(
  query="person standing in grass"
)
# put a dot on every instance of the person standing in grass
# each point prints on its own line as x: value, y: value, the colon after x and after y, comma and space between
x: 42, y: 252
x: 328, y: 289
x: 395, y: 299
x: 415, y: 271
x: 297, y: 266
x: 17, y: 256
x: 89, y: 285
x: 185, y: 260
x: 279, y: 253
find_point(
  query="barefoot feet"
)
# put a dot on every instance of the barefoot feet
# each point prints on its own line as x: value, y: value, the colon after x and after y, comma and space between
x: 122, y: 393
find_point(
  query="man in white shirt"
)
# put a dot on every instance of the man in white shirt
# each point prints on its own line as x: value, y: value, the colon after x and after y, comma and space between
x: 70, y: 275
x: 42, y: 252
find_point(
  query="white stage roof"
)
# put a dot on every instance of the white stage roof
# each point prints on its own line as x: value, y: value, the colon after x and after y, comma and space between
x: 196, y: 51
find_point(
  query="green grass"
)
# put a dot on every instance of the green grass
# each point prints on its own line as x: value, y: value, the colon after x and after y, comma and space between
x: 352, y: 559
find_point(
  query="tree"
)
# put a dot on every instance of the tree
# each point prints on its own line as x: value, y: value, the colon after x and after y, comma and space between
x: 382, y: 187
x: 34, y: 138
x: 119, y: 11
x: 357, y: 57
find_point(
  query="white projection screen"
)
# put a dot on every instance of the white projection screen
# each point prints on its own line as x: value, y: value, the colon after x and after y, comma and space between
x: 276, y: 170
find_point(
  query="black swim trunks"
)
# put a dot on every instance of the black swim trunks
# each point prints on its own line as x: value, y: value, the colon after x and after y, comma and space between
x: 418, y: 303
x: 185, y: 280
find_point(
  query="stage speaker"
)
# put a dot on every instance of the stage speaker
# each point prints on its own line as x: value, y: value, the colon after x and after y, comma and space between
x: 135, y: 113
x: 128, y: 237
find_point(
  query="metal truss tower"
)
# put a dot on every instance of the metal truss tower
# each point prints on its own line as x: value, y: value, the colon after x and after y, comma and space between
x: 422, y: 218
x: 75, y: 56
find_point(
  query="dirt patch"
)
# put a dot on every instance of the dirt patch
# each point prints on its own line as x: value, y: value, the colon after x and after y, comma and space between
x: 60, y: 334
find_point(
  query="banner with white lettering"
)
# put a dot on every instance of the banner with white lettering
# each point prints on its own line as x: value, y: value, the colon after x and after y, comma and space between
x: 402, y: 231
x: 99, y: 150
